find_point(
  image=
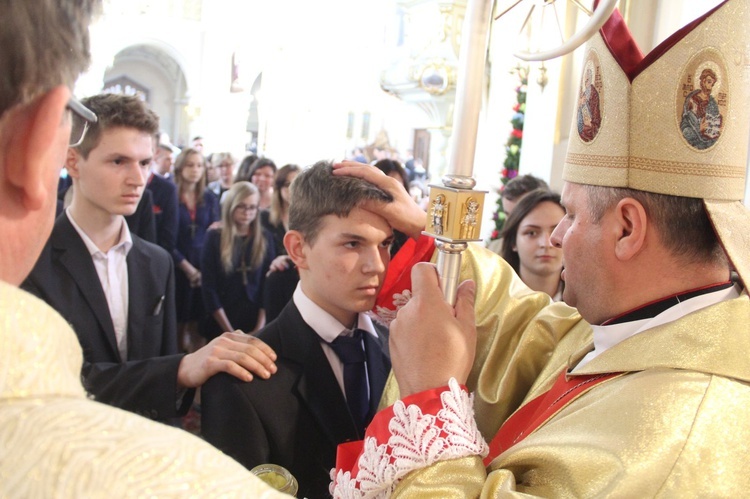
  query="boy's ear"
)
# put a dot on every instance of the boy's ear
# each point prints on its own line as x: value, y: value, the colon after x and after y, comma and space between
x: 295, y: 245
x: 36, y: 139
x: 71, y: 162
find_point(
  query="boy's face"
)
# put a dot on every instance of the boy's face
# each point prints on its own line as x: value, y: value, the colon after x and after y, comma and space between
x: 111, y: 180
x: 342, y: 272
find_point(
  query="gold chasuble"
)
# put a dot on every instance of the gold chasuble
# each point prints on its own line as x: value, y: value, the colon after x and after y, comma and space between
x: 667, y: 412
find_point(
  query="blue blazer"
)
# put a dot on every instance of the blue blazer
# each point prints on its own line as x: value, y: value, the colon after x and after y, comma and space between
x: 189, y: 245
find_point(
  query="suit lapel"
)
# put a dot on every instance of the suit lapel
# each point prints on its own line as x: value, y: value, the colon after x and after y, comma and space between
x: 138, y: 308
x: 75, y: 257
x: 317, y: 386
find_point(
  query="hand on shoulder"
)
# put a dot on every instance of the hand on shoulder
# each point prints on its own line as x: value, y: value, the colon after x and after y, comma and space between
x: 235, y: 353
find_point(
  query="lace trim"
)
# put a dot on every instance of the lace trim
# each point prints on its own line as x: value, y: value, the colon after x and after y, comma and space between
x: 386, y: 315
x: 416, y: 441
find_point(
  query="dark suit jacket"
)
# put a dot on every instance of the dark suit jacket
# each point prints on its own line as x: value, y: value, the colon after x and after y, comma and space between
x: 145, y: 382
x: 298, y: 416
x: 142, y: 222
x: 164, y: 194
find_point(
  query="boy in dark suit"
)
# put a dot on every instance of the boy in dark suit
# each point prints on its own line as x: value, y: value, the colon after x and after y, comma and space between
x: 319, y: 397
x: 117, y: 290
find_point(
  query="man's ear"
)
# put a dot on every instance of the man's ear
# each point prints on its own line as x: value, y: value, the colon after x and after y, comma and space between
x: 632, y: 222
x: 295, y: 245
x: 34, y: 147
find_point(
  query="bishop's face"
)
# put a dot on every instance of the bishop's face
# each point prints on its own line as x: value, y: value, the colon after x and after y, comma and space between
x: 585, y: 245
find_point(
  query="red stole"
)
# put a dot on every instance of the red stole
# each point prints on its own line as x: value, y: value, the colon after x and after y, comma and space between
x: 534, y: 414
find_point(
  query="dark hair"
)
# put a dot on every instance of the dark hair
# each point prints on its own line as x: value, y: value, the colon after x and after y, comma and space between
x: 45, y: 43
x: 682, y: 223
x: 243, y: 172
x: 277, y: 202
x: 518, y: 186
x: 510, y: 230
x: 114, y: 110
x: 258, y: 164
x: 316, y: 192
x: 388, y: 166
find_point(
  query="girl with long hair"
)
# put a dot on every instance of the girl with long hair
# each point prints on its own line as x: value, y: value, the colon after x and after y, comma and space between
x: 235, y: 260
x: 283, y: 277
x: 526, y: 242
x: 198, y: 209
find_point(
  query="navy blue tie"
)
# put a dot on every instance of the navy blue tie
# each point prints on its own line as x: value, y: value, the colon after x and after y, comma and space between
x: 349, y: 350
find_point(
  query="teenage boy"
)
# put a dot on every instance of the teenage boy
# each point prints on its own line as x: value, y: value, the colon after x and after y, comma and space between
x: 54, y: 440
x: 311, y: 404
x: 117, y: 290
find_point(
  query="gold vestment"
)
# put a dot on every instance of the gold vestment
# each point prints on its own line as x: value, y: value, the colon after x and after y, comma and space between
x: 676, y: 425
x: 55, y: 442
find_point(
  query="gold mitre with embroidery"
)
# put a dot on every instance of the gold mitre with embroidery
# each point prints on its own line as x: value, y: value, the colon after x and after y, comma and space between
x: 675, y: 122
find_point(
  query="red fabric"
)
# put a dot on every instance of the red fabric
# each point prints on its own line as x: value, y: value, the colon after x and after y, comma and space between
x: 398, y: 276
x: 670, y: 42
x: 534, y: 414
x: 621, y: 44
x: 626, y: 52
x: 347, y: 454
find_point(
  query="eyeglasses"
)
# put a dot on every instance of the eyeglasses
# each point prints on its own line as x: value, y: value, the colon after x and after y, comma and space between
x: 246, y: 207
x: 80, y: 125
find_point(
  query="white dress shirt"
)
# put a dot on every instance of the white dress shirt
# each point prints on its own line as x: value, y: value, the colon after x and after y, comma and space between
x: 606, y: 337
x: 328, y: 329
x: 112, y: 269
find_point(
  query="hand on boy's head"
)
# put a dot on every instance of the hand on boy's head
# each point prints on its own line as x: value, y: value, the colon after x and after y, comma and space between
x: 235, y: 353
x: 430, y: 341
x: 403, y: 214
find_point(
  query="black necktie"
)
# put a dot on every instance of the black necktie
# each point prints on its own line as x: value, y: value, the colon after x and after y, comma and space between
x: 349, y: 350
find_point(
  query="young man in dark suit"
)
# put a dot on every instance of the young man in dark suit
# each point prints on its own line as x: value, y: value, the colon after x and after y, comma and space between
x: 164, y: 196
x: 116, y: 289
x: 296, y: 418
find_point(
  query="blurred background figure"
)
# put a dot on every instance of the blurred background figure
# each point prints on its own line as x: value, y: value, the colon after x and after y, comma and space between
x: 197, y: 144
x: 262, y: 174
x: 224, y: 164
x: 235, y: 260
x: 282, y: 277
x: 393, y: 169
x: 212, y: 173
x: 163, y: 161
x: 243, y: 171
x: 511, y: 194
x: 526, y: 242
x: 198, y: 209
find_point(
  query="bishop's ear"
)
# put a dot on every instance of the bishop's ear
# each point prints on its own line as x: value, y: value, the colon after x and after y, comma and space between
x: 39, y: 134
x: 631, y: 225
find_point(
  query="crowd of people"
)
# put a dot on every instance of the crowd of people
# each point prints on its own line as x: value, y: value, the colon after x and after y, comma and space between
x: 604, y: 352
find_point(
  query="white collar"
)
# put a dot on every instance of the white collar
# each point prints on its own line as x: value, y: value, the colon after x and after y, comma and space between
x: 606, y: 337
x: 125, y: 240
x: 323, y: 323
